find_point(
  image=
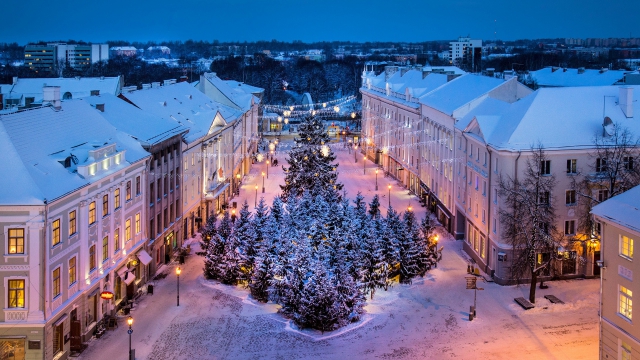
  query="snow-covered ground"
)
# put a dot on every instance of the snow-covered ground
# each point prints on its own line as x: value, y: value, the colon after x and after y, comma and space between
x: 428, y: 319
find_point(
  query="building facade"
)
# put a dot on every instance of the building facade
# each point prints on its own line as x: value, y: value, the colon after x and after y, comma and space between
x: 620, y: 226
x: 72, y: 219
x: 53, y: 55
x: 466, y: 53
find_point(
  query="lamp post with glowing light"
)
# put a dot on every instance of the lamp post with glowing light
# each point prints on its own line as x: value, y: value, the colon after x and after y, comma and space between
x: 238, y: 176
x: 355, y: 147
x: 256, y: 202
x: 130, y: 331
x: 364, y: 162
x: 389, y: 195
x: 178, y: 271
x: 263, y: 182
x: 376, y: 179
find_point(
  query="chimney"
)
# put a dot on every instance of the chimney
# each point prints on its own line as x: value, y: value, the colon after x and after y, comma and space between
x: 15, y: 80
x: 155, y: 84
x: 100, y: 107
x: 146, y: 86
x: 625, y: 99
x: 52, y: 96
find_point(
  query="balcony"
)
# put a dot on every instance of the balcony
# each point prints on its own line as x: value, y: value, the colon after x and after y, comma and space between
x: 14, y: 315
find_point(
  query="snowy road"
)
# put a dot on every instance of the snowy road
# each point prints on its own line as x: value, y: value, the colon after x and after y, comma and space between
x: 428, y: 319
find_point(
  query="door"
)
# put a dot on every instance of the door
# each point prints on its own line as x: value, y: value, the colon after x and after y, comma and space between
x: 75, y: 333
x: 596, y: 268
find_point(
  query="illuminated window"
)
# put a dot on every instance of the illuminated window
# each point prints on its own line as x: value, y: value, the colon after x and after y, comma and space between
x: 16, y: 294
x: 56, y: 283
x: 55, y: 232
x: 92, y: 213
x: 105, y: 248
x: 625, y: 302
x: 626, y: 247
x: 72, y: 270
x: 105, y: 205
x: 127, y: 230
x: 116, y: 199
x: 16, y: 241
x: 137, y: 223
x: 625, y: 351
x: 128, y: 191
x: 92, y: 257
x: 116, y: 240
x: 72, y: 223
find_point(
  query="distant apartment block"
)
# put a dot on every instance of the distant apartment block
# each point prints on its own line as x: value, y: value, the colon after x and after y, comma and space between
x: 45, y: 57
x: 466, y: 53
x: 123, y: 51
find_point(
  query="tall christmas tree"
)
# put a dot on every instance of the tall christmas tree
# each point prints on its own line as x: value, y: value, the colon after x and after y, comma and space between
x: 311, y: 164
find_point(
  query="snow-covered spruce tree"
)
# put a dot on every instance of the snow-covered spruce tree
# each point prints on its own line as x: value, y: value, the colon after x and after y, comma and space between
x: 428, y: 255
x: 409, y: 248
x: 393, y: 227
x: 213, y: 254
x: 261, y: 275
x: 248, y: 245
x: 229, y: 265
x: 371, y: 260
x: 208, y: 232
x: 311, y: 164
x: 374, y: 207
x: 318, y: 305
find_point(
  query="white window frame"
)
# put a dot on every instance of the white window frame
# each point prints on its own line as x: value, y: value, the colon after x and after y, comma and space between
x: 6, y: 243
x: 621, y: 248
x: 26, y: 292
x: 629, y: 303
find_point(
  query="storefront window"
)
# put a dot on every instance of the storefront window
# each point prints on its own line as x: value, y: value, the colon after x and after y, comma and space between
x: 12, y: 349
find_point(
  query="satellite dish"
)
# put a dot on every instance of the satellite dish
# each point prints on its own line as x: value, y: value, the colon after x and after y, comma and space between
x: 608, y: 126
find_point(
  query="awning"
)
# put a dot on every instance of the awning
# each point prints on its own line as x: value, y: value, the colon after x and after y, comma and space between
x: 443, y: 212
x: 212, y: 196
x: 144, y: 257
x: 60, y: 320
x: 129, y: 279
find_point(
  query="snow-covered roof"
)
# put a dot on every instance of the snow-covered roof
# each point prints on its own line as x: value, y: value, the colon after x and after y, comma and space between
x: 123, y: 48
x: 184, y: 104
x: 459, y: 91
x: 414, y: 80
x: 623, y: 209
x: 141, y: 125
x: 231, y: 93
x: 556, y: 77
x: 77, y: 87
x: 36, y: 142
x: 454, y: 69
x: 562, y: 118
x: 489, y: 107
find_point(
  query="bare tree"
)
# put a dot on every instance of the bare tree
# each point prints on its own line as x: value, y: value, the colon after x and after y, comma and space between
x: 528, y: 219
x: 613, y: 169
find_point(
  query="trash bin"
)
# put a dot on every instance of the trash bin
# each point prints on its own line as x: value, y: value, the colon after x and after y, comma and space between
x: 150, y: 289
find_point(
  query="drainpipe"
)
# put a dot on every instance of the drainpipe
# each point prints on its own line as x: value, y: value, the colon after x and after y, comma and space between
x: 44, y: 258
x: 489, y: 207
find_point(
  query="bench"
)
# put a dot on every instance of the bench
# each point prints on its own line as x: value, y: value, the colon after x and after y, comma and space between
x: 553, y: 299
x: 524, y: 303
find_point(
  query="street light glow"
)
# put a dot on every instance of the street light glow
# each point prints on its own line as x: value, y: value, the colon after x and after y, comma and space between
x: 130, y: 321
x: 178, y: 270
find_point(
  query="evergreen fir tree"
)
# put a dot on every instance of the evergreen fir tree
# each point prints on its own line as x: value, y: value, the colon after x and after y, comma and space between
x: 428, y: 247
x: 409, y: 248
x: 225, y: 228
x: 208, y: 232
x: 213, y: 257
x: 318, y: 305
x: 371, y: 260
x: 389, y: 229
x: 311, y: 164
x: 243, y: 231
x: 374, y: 207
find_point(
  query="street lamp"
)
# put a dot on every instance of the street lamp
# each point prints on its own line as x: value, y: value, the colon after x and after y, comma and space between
x: 376, y: 179
x: 233, y: 215
x: 256, y: 203
x: 355, y: 147
x: 178, y: 271
x: 130, y: 331
x: 263, y: 182
x: 389, y: 195
x: 267, y: 169
x: 364, y: 162
x: 238, y: 176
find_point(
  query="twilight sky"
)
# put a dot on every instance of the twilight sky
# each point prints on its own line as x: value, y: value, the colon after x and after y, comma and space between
x: 316, y: 20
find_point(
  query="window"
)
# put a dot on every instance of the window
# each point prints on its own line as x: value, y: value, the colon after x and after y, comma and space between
x: 58, y: 339
x: 625, y: 351
x: 16, y: 241
x: 55, y: 232
x: 626, y: 247
x: 625, y: 302
x: 570, y: 197
x: 545, y: 167
x: 601, y: 165
x: 92, y: 257
x: 17, y: 347
x: 116, y: 199
x: 495, y: 195
x: 16, y: 294
x: 105, y: 248
x: 484, y: 187
x: 72, y: 270
x: 152, y: 230
x: 138, y: 187
x: 105, y: 205
x: 152, y: 192
x: 543, y: 198
x: 603, y: 194
x: 484, y: 215
x: 137, y: 223
x: 116, y: 240
x: 495, y: 225
x: 92, y: 213
x: 128, y: 191
x: 495, y: 165
x: 159, y: 224
x: 571, y: 166
x: 171, y: 181
x: 177, y: 177
x: 72, y: 223
x: 127, y: 230
x: 56, y: 283
x: 159, y: 190
x: 570, y: 227
x: 166, y: 185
